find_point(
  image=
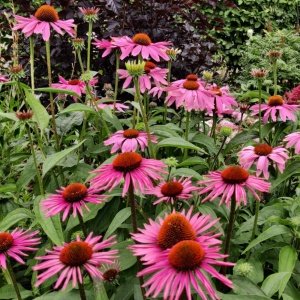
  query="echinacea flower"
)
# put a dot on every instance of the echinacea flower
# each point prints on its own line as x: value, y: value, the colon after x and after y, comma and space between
x: 75, y: 85
x: 293, y: 97
x: 107, y: 45
x: 111, y: 272
x: 90, y: 14
x: 69, y: 260
x: 141, y: 44
x: 45, y: 18
x: 223, y: 99
x: 70, y: 200
x: 129, y: 140
x: 179, y: 252
x: 24, y: 115
x: 130, y: 167
x: 14, y: 245
x: 3, y: 79
x: 276, y: 108
x: 158, y: 75
x: 117, y: 106
x: 262, y: 155
x: 293, y: 140
x: 233, y: 181
x: 173, y: 190
x: 189, y: 93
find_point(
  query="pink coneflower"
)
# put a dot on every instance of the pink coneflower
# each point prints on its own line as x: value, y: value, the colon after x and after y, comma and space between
x: 179, y: 252
x: 224, y: 100
x: 263, y: 155
x: 293, y: 97
x: 107, y: 45
x: 141, y: 44
x: 190, y: 93
x: 117, y: 106
x: 129, y: 140
x: 3, y: 79
x: 16, y: 243
x: 275, y: 108
x: 70, y: 200
x: 173, y: 190
x: 158, y: 75
x: 131, y: 167
x: 75, y: 85
x: 232, y: 181
x: 293, y: 140
x: 68, y: 260
x: 45, y: 17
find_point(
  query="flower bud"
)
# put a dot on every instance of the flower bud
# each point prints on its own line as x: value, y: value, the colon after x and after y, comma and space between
x: 135, y: 69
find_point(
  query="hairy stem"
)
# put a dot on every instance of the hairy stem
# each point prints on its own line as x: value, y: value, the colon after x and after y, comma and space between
x: 82, y: 225
x: 88, y: 59
x: 81, y: 291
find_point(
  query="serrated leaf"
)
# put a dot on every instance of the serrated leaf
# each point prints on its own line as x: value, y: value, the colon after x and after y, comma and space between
x: 53, y: 159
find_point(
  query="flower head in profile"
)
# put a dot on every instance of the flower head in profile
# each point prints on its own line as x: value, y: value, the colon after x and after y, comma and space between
x: 68, y: 261
x: 223, y: 100
x: 259, y: 73
x: 190, y: 93
x: 45, y: 18
x: 75, y: 85
x: 107, y: 45
x: 90, y: 14
x: 276, y: 108
x: 179, y: 253
x: 149, y: 73
x: 110, y: 272
x: 15, y: 244
x: 130, y: 167
x: 129, y: 140
x: 293, y: 140
x: 71, y: 200
x: 172, y: 190
x: 263, y: 155
x: 141, y: 44
x: 120, y: 107
x: 233, y: 181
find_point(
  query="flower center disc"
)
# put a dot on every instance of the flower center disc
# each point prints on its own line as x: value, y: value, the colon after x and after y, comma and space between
x: 192, y: 77
x: 47, y: 13
x: 186, y: 255
x: 216, y: 91
x: 6, y: 241
x: 191, y: 85
x: 142, y: 39
x: 76, y: 254
x: 275, y: 101
x: 234, y: 175
x: 110, y: 275
x: 172, y: 188
x: 149, y: 66
x: 74, y: 81
x: 127, y: 161
x: 263, y: 149
x: 74, y: 192
x: 174, y: 229
x: 131, y: 133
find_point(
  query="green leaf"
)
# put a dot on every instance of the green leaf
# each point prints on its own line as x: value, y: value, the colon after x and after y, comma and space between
x: 253, y: 95
x: 8, y: 292
x: 267, y: 234
x: 192, y: 161
x: 206, y: 142
x: 119, y: 218
x: 39, y: 111
x: 14, y: 217
x: 244, y: 286
x: 239, y: 140
x: 53, y: 159
x: 57, y: 91
x: 77, y: 107
x: 99, y: 290
x: 178, y: 142
x: 9, y: 116
x: 111, y: 118
x: 51, y: 226
x: 287, y: 259
x: 275, y: 282
x: 242, y: 297
x: 186, y: 172
x: 8, y: 188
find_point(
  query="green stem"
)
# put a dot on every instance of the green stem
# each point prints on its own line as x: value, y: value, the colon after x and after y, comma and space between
x: 255, y: 220
x: 31, y: 39
x: 13, y: 279
x: 144, y: 115
x: 116, y: 79
x: 203, y: 122
x: 52, y: 104
x: 229, y: 231
x: 259, y: 83
x: 215, y: 119
x: 275, y: 76
x: 82, y: 225
x: 88, y: 60
x: 169, y: 80
x: 132, y: 204
x: 187, y: 129
x: 217, y: 155
x: 81, y: 291
x: 39, y: 177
